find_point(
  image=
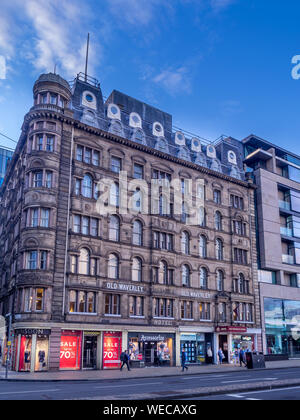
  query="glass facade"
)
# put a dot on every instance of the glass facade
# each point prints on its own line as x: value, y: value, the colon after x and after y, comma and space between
x: 5, y: 157
x: 282, y: 322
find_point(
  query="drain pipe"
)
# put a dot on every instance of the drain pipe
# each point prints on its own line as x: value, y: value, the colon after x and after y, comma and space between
x: 68, y: 223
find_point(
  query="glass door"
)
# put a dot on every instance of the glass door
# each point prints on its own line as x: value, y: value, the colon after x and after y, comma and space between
x: 90, y: 352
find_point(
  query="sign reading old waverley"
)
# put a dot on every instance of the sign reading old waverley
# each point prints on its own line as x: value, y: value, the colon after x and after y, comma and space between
x: 124, y: 287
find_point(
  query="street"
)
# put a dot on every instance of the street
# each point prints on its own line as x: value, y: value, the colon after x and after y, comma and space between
x: 155, y: 387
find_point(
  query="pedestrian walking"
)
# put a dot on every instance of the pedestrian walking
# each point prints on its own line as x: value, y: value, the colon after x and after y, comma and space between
x: 183, y: 360
x: 242, y: 357
x: 125, y: 360
x: 221, y: 356
x: 209, y: 355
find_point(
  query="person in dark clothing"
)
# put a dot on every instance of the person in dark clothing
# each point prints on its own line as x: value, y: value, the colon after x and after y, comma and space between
x: 183, y: 360
x: 242, y: 357
x: 125, y: 359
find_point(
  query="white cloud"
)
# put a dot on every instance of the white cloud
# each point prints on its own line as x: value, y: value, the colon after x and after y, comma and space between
x: 174, y: 80
x: 135, y: 12
x: 218, y: 5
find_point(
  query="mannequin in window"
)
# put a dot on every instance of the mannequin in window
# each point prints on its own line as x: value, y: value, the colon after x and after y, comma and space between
x: 41, y: 357
x: 27, y: 358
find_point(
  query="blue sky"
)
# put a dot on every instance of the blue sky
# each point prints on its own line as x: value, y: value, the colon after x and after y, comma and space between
x: 218, y: 66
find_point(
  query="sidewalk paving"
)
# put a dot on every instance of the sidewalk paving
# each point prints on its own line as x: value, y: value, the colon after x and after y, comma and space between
x: 92, y: 375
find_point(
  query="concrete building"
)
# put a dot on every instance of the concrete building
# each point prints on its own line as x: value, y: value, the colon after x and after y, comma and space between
x: 276, y: 173
x: 84, y: 283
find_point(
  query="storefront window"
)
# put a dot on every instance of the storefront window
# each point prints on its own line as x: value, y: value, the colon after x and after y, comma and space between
x: 282, y: 320
x: 112, y: 348
x: 25, y: 353
x: 151, y: 349
x: 41, y: 355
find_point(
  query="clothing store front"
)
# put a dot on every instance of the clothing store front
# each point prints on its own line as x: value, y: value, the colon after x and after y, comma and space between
x: 147, y: 349
x: 196, y: 347
x: 31, y: 350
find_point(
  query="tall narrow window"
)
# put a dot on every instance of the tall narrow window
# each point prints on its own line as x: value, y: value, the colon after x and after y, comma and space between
x: 115, y: 195
x: 218, y: 221
x: 113, y: 267
x: 203, y: 278
x: 84, y: 262
x: 87, y: 190
x: 203, y: 247
x: 114, y: 229
x: 219, y: 250
x: 185, y: 243
x: 136, y: 270
x: 220, y: 281
x: 137, y: 233
x: 185, y: 275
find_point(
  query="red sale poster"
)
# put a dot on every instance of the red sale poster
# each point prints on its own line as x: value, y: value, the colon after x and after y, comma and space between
x: 112, y: 348
x: 70, y: 350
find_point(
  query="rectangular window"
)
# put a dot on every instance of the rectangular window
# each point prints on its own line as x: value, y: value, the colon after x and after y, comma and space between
x: 32, y: 260
x: 88, y: 156
x: 79, y: 153
x: 77, y: 223
x: 27, y: 300
x: 136, y: 306
x: 43, y: 260
x: 85, y: 225
x: 116, y: 164
x: 138, y: 172
x: 40, y: 142
x: 50, y: 144
x: 49, y: 177
x: 112, y: 304
x: 39, y: 300
x: 94, y: 227
x: 204, y: 310
x: 45, y: 218
x: 96, y: 158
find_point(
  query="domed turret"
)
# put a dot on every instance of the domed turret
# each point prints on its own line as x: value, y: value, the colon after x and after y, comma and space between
x: 52, y: 89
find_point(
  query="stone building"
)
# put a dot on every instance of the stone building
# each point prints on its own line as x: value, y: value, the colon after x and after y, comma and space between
x: 81, y: 284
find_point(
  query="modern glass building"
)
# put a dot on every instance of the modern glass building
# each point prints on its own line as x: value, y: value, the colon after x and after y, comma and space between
x: 5, y: 157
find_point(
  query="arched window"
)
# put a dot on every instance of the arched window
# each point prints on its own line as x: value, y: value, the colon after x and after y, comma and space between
x: 137, y: 238
x: 137, y: 201
x: 114, y: 229
x: 185, y: 275
x: 203, y: 247
x: 219, y: 250
x: 220, y: 281
x: 243, y: 285
x: 113, y: 267
x: 185, y: 243
x: 218, y: 221
x: 136, y: 269
x: 87, y: 190
x: 115, y: 194
x: 84, y: 262
x: 203, y: 278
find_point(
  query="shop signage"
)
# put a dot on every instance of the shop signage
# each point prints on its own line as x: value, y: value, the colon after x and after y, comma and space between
x: 145, y: 338
x: 231, y: 329
x: 125, y: 287
x: 163, y: 323
x: 112, y: 348
x: 196, y: 295
x: 30, y: 331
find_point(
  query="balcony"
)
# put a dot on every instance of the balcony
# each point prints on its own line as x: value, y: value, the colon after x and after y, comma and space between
x: 286, y: 231
x: 285, y: 205
x: 288, y: 259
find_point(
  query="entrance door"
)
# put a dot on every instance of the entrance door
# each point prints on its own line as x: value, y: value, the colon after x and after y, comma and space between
x: 149, y: 353
x: 90, y: 352
x: 223, y: 343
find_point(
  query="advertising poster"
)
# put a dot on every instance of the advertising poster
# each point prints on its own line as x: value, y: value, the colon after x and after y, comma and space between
x: 70, y: 351
x: 112, y: 348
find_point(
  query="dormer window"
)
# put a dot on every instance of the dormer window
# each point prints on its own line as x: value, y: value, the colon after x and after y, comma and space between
x: 158, y: 130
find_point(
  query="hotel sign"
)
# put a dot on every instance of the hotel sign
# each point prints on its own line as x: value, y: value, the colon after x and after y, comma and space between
x: 196, y: 295
x: 121, y: 287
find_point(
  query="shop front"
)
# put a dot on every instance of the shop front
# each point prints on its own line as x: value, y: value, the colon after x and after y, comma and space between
x: 197, y: 346
x: 90, y: 350
x: 282, y: 327
x: 225, y: 340
x: 148, y: 349
x: 31, y: 348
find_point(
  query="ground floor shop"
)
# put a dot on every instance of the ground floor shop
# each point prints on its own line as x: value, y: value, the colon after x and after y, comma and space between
x: 282, y: 327
x: 232, y: 339
x: 56, y: 348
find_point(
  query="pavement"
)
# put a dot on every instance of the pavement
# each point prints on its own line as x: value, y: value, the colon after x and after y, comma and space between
x: 151, y: 372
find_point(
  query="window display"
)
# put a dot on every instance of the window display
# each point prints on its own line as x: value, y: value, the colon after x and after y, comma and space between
x: 25, y: 353
x: 195, y: 347
x: 41, y: 355
x: 112, y: 348
x: 150, y: 349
